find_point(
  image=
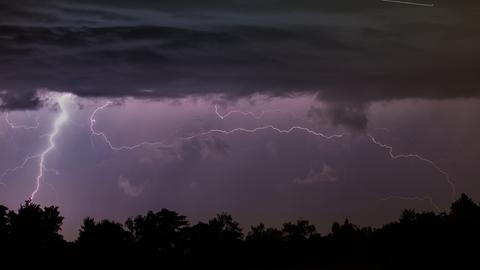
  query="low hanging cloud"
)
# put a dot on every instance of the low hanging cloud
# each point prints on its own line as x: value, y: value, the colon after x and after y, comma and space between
x: 314, y: 175
x: 348, y: 115
x: 349, y: 51
x: 130, y: 189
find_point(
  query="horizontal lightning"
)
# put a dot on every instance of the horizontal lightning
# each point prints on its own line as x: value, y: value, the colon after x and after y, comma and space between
x: 63, y: 116
x: 212, y: 131
x: 267, y: 127
x: 252, y: 114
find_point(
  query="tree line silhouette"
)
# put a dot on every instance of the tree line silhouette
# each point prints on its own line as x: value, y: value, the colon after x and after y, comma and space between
x: 31, y: 236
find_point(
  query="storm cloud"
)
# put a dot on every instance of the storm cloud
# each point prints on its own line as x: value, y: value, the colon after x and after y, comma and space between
x: 350, y: 52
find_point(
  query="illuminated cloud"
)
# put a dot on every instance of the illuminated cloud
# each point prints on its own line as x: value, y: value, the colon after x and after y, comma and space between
x: 317, y: 175
x: 130, y: 189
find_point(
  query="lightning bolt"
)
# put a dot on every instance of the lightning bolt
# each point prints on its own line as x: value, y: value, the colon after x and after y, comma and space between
x: 16, y: 168
x: 252, y: 114
x: 24, y: 127
x: 205, y: 133
x: 59, y: 121
x: 24, y: 162
x: 273, y: 128
x: 419, y: 157
x: 390, y: 151
x: 29, y: 157
x: 63, y: 117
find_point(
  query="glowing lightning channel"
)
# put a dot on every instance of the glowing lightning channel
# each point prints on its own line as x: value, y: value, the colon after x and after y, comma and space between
x: 61, y: 119
x: 29, y: 157
x: 225, y: 132
x: 419, y: 157
x: 24, y: 127
x: 252, y: 114
x: 18, y: 167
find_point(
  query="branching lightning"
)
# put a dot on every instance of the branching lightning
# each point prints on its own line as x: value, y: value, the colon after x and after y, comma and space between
x: 268, y: 127
x: 205, y: 133
x: 18, y: 167
x: 24, y: 127
x: 61, y: 119
x: 419, y: 157
x: 376, y: 142
x: 252, y: 114
x: 25, y: 161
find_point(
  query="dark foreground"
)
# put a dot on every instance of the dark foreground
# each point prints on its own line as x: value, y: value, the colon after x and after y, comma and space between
x: 166, y: 240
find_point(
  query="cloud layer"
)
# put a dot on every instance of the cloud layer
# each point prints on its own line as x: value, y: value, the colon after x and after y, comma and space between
x: 351, y: 52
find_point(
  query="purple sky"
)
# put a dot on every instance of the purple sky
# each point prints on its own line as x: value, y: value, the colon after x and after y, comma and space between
x: 381, y: 74
x: 263, y: 176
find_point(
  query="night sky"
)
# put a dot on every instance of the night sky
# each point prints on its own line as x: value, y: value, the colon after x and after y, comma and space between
x: 271, y: 110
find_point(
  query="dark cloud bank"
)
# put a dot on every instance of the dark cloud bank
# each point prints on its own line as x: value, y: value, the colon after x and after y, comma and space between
x: 350, y: 52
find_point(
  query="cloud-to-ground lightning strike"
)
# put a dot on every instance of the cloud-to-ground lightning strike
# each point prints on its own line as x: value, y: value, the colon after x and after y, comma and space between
x: 424, y: 198
x: 187, y: 138
x: 59, y: 121
x: 419, y: 157
x: 409, y: 3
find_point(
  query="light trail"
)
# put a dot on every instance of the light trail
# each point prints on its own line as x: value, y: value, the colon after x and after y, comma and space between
x: 419, y: 157
x: 409, y: 3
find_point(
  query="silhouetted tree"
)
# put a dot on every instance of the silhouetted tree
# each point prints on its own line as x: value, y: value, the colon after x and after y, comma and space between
x: 264, y: 246
x: 4, y: 229
x: 297, y: 232
x: 261, y: 234
x: 104, y: 242
x: 36, y: 227
x: 465, y: 211
x: 226, y: 229
x: 33, y: 232
x: 216, y: 243
x: 464, y: 229
x: 165, y: 240
x: 160, y: 233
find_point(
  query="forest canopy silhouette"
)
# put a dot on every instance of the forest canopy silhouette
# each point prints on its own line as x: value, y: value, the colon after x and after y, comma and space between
x: 31, y: 235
